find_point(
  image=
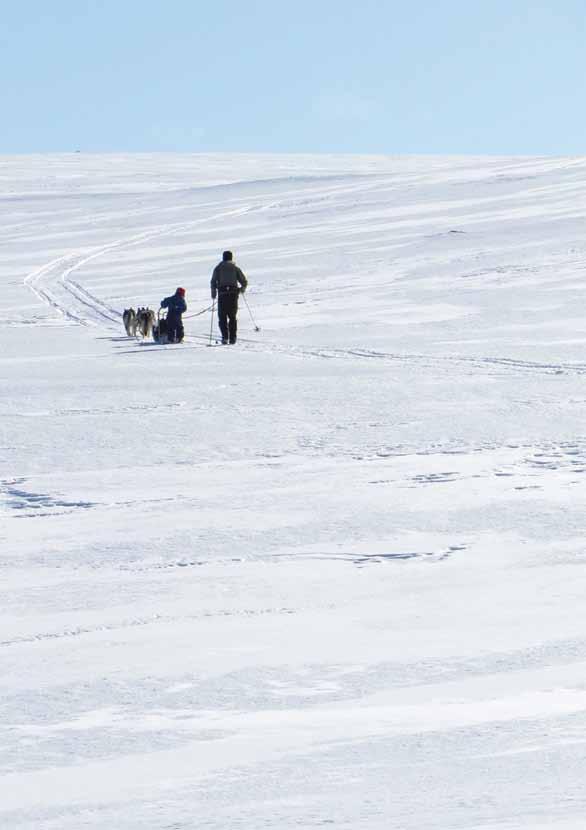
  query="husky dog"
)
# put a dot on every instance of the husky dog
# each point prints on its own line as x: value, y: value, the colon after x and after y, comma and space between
x: 145, y: 320
x: 130, y: 321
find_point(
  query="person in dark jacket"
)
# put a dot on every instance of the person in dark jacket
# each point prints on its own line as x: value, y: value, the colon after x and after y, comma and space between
x: 176, y: 306
x: 227, y: 283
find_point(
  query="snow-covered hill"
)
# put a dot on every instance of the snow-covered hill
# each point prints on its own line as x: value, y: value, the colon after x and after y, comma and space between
x: 333, y: 575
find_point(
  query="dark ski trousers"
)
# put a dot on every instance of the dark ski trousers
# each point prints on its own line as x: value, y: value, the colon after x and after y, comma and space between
x: 175, y: 330
x: 227, y: 311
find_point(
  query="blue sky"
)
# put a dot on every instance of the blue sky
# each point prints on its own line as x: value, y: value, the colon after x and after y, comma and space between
x: 482, y: 76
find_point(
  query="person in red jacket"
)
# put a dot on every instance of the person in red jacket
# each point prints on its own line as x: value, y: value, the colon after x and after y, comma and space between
x: 227, y: 283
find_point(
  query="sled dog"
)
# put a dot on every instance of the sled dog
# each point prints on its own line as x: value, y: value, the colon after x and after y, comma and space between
x: 130, y: 321
x: 145, y: 320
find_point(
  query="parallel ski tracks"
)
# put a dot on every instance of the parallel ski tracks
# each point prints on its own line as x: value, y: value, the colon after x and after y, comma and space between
x: 53, y: 284
x: 430, y: 360
x: 154, y: 619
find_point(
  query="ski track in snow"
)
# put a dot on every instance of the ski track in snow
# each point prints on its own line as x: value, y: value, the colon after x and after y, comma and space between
x: 45, y: 281
x: 332, y: 576
x: 89, y: 310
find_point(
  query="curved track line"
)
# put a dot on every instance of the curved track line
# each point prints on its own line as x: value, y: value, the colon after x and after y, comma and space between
x: 57, y: 273
x: 89, y: 310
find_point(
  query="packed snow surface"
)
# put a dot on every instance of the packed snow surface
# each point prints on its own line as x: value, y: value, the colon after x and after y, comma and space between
x: 333, y: 575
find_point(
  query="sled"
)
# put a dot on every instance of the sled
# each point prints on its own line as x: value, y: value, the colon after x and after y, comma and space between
x: 160, y: 329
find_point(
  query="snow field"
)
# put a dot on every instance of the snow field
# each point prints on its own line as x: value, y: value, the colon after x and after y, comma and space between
x: 333, y: 575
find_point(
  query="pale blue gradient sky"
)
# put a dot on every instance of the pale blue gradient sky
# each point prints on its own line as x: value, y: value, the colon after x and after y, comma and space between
x: 491, y: 76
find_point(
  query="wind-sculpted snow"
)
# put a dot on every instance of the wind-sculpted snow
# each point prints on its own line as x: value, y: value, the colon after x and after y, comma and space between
x: 331, y: 576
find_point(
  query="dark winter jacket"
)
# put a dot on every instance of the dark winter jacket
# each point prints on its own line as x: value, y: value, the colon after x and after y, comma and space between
x: 227, y: 276
x: 175, y: 304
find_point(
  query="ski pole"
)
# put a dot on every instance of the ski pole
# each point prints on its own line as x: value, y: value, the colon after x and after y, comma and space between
x: 212, y: 322
x: 256, y: 328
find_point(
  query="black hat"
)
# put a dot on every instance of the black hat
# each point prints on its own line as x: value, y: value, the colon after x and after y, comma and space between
x: 227, y: 256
